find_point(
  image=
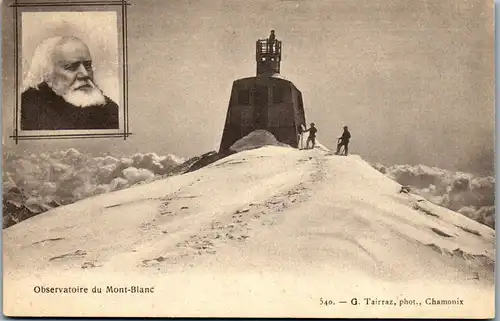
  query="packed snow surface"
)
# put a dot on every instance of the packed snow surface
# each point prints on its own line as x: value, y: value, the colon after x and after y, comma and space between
x: 256, y: 139
x: 271, y: 231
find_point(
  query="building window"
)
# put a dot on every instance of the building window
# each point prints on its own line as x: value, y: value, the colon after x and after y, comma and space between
x: 278, y: 94
x: 244, y: 97
x: 261, y: 95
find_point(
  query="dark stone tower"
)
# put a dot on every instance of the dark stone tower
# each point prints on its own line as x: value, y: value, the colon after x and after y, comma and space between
x: 266, y: 101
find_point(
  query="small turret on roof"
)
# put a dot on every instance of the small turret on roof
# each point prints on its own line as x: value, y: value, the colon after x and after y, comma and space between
x: 268, y: 55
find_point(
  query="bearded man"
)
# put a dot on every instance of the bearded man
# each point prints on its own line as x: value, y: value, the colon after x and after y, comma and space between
x: 60, y: 92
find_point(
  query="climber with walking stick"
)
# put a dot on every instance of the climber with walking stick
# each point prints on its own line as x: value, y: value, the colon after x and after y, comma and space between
x: 343, y: 141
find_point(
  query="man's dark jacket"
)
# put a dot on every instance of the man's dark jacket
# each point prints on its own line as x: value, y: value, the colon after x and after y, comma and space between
x: 43, y: 109
x: 345, y: 136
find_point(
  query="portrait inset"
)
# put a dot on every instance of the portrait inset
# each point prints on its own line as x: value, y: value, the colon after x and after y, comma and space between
x: 71, y: 72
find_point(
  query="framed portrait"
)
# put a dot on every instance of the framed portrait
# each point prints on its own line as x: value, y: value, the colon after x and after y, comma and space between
x: 70, y: 70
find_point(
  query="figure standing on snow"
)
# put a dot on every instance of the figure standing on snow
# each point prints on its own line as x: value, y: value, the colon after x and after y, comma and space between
x: 344, y: 141
x: 312, y: 136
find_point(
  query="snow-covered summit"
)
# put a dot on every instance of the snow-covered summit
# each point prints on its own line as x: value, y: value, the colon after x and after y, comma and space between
x: 259, y: 228
x: 256, y: 139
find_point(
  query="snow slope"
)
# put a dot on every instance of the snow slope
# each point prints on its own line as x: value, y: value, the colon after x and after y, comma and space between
x: 256, y: 139
x: 272, y: 231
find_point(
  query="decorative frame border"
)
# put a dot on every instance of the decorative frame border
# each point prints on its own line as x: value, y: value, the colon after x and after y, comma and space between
x: 124, y: 4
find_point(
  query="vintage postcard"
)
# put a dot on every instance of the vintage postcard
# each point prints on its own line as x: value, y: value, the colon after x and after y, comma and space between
x: 267, y: 158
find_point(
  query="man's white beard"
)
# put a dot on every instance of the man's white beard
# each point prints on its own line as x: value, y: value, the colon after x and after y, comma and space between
x: 81, y: 98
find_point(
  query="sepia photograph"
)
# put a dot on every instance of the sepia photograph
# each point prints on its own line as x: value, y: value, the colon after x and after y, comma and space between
x: 71, y: 71
x: 289, y: 158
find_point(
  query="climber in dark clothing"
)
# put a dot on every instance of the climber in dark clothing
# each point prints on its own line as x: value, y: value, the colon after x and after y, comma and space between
x: 344, y: 141
x: 312, y: 136
x: 270, y: 42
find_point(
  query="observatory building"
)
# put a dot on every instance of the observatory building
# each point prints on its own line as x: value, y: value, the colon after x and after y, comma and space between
x: 266, y: 101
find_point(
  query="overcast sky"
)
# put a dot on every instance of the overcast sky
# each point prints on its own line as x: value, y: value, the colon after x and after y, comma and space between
x: 413, y: 80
